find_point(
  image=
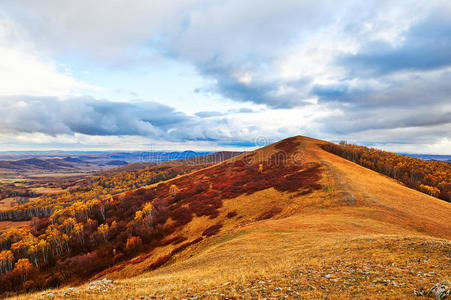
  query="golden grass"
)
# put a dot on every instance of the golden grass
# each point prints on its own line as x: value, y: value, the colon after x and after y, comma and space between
x: 292, y: 262
x: 7, y: 203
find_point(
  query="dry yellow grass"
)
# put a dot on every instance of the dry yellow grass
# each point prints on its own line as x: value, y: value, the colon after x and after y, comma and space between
x: 7, y: 203
x: 5, y: 225
x: 362, y: 236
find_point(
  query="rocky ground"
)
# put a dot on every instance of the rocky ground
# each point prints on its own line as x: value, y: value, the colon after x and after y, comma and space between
x: 422, y: 272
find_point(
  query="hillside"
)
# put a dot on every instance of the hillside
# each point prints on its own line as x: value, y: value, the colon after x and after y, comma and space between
x: 288, y: 220
x: 33, y: 164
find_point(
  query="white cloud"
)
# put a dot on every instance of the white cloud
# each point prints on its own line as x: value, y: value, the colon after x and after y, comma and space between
x: 24, y: 71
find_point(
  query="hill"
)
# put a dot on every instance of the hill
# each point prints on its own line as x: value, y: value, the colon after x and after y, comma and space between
x: 288, y: 220
x: 36, y: 164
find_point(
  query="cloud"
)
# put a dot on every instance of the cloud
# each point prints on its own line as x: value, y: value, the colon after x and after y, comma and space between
x: 410, y: 108
x: 85, y: 115
x: 220, y: 38
x: 424, y: 46
x: 360, y: 69
x: 110, y: 32
x: 24, y: 71
x: 54, y: 117
x: 208, y: 114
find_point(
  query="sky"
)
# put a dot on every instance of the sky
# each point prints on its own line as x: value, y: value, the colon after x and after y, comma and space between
x: 224, y: 74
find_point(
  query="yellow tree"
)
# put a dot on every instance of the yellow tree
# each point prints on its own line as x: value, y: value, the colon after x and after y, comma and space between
x: 6, y: 261
x: 24, y: 267
x: 33, y: 253
x: 58, y: 239
x: 44, y: 249
x: 148, y: 213
x: 68, y: 225
x: 173, y: 190
x: 139, y: 216
x: 103, y: 230
x: 78, y: 232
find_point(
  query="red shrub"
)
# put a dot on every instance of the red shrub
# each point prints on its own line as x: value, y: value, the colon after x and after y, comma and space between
x: 212, y: 230
x: 140, y: 191
x: 231, y: 214
x: 287, y: 145
x: 82, y: 265
x: 206, y: 205
x: 305, y: 192
x: 175, y: 240
x: 181, y: 215
x: 140, y: 259
x: 159, y: 262
x: 270, y: 213
x: 185, y: 245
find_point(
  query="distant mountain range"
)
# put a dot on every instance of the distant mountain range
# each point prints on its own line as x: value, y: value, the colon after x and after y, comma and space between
x: 23, y: 162
x: 445, y: 158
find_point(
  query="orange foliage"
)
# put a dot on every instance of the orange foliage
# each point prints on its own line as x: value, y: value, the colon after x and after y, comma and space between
x: 133, y: 245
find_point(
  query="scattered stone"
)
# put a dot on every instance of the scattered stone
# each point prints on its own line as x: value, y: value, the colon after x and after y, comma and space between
x: 440, y: 290
x: 418, y: 293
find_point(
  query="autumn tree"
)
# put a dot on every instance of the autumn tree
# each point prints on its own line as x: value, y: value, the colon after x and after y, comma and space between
x: 6, y: 261
x: 24, y: 268
x: 103, y: 231
x: 133, y: 245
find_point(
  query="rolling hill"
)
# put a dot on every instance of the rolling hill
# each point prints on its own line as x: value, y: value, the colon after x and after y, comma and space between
x: 289, y: 220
